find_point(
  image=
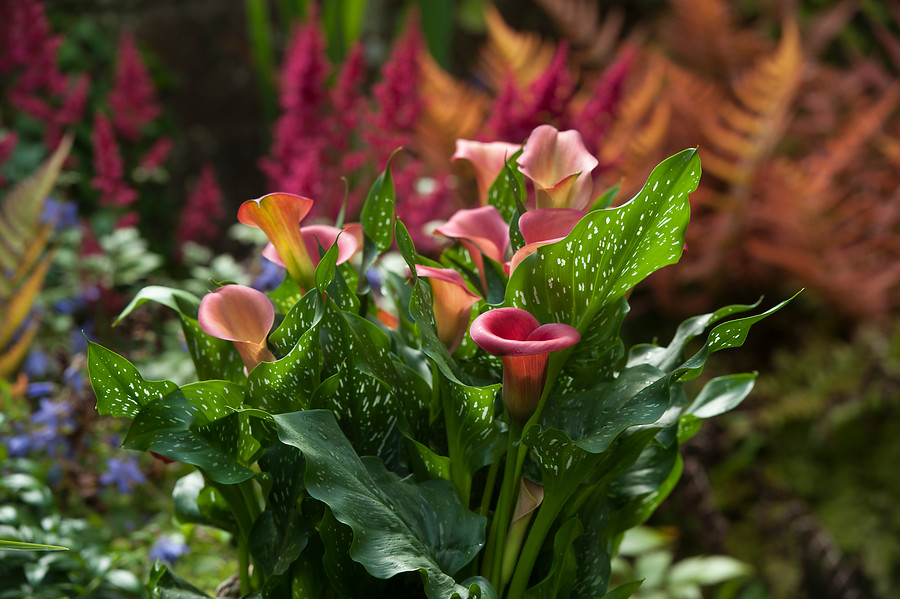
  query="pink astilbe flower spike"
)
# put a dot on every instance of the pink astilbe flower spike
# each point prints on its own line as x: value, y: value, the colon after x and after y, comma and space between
x: 241, y: 315
x: 108, y: 170
x: 488, y: 160
x: 481, y: 231
x: 202, y: 211
x: 559, y: 167
x: 133, y: 98
x: 157, y: 154
x: 542, y: 227
x: 525, y: 345
x: 279, y: 216
x: 320, y: 235
x: 452, y: 303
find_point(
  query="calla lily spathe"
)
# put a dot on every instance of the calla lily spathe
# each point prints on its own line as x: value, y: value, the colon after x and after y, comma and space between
x: 488, y: 159
x: 482, y: 231
x: 542, y: 227
x: 525, y: 345
x: 559, y: 167
x: 320, y: 235
x: 243, y: 316
x: 452, y: 303
x: 279, y: 216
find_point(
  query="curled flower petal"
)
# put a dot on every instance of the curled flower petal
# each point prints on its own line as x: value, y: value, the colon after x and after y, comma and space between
x: 279, y: 216
x: 319, y: 235
x: 481, y: 231
x: 488, y: 159
x: 560, y: 168
x: 241, y: 315
x: 452, y: 303
x: 542, y: 227
x: 524, y: 344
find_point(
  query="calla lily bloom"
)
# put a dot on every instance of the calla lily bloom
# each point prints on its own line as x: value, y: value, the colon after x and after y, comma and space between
x: 542, y: 227
x: 560, y: 168
x: 279, y: 216
x: 524, y: 344
x: 243, y: 316
x: 452, y: 303
x: 488, y: 160
x: 481, y: 231
x: 320, y: 235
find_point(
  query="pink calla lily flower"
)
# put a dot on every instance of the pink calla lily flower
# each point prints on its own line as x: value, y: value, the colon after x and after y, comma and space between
x: 524, y: 344
x: 452, y: 303
x: 560, y: 168
x: 481, y: 231
x: 542, y: 227
x: 279, y: 216
x: 316, y: 235
x: 243, y: 316
x: 488, y: 159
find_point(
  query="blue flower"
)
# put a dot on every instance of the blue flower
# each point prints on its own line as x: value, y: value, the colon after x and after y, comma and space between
x: 270, y: 278
x: 18, y: 446
x: 124, y: 473
x: 64, y: 214
x: 53, y: 414
x: 40, y: 389
x: 36, y: 364
x: 167, y: 549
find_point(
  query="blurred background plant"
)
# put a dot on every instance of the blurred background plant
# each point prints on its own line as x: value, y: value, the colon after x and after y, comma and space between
x: 178, y: 111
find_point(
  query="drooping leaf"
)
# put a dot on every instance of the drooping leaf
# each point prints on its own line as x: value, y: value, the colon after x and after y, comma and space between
x: 196, y: 502
x: 624, y: 591
x: 176, y: 299
x: 722, y: 394
x: 398, y: 526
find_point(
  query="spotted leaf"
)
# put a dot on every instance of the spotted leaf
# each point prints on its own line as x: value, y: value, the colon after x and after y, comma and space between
x: 119, y: 387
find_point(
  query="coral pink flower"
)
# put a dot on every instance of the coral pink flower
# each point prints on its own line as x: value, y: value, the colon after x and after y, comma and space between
x: 320, y: 235
x: 488, y: 160
x: 560, y: 168
x: 452, y: 303
x: 524, y: 344
x: 481, y: 231
x: 541, y: 227
x: 243, y: 316
x: 279, y: 216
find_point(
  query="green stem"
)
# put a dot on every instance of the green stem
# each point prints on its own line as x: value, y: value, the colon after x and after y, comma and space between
x: 542, y: 523
x: 488, y: 493
x: 515, y: 457
x: 245, y: 509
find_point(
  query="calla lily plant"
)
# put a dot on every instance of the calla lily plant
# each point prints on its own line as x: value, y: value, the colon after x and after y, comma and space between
x: 468, y: 424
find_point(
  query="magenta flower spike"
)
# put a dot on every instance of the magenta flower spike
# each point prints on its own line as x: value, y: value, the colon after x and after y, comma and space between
x: 243, y: 316
x: 279, y: 216
x: 488, y: 159
x: 316, y: 235
x: 525, y: 345
x: 559, y: 167
x: 481, y: 231
x: 541, y: 227
x: 452, y: 303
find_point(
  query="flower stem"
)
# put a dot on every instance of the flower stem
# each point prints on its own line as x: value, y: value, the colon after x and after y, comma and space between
x: 542, y: 523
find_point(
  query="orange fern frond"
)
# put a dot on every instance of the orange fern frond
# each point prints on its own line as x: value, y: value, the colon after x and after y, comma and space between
x: 451, y: 110
x: 745, y: 130
x: 593, y: 39
x: 23, y: 252
x: 523, y: 54
x: 704, y: 34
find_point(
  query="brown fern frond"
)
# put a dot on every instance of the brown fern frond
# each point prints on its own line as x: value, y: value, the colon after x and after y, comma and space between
x: 747, y: 128
x: 693, y: 97
x: 593, y: 39
x: 451, y: 110
x: 524, y: 54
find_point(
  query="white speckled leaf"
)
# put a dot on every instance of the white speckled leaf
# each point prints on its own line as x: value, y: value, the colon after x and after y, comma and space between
x: 119, y: 387
x: 377, y: 216
x: 288, y: 384
x: 609, y: 251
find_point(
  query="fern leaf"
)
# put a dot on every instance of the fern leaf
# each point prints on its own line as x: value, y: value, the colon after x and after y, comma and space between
x: 593, y: 39
x: 524, y: 54
x: 746, y: 129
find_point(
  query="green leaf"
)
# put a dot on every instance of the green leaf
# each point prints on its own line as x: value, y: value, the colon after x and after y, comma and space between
x: 425, y: 463
x: 213, y: 358
x: 507, y: 192
x: 624, y: 591
x: 288, y: 384
x: 722, y: 394
x: 119, y: 387
x: 709, y: 570
x: 11, y: 545
x: 609, y: 251
x: 327, y: 268
x: 654, y: 471
x: 348, y: 577
x: 174, y: 427
x: 165, y: 584
x: 398, y: 526
x: 606, y: 199
x: 176, y: 299
x: 474, y: 436
x: 561, y: 577
x: 377, y: 217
